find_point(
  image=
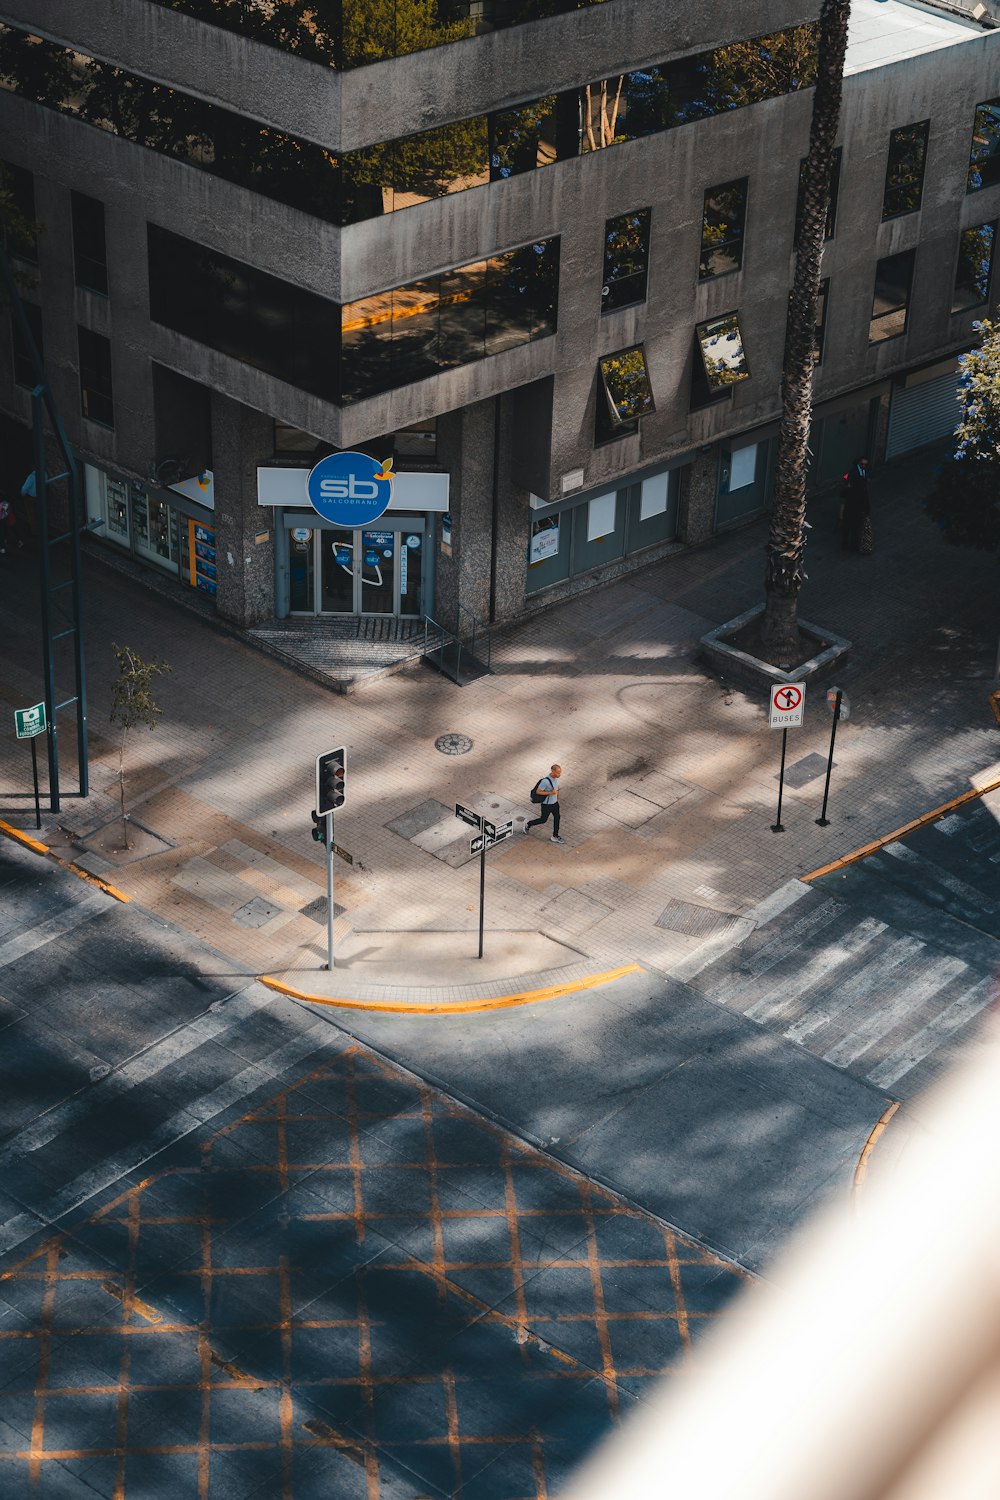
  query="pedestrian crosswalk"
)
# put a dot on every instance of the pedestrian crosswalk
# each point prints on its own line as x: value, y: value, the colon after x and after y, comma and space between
x: 884, y: 968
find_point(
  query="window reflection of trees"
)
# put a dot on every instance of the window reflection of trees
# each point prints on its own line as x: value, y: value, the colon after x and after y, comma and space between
x: 626, y: 384
x: 984, y: 157
x: 723, y: 222
x: 975, y: 263
x: 626, y: 255
x: 722, y: 352
x: 904, y: 173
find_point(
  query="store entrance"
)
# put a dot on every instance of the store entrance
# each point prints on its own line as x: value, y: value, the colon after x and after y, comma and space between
x: 368, y: 571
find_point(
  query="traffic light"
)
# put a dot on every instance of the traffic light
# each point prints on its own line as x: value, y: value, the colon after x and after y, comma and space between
x: 331, y: 777
x: 319, y: 827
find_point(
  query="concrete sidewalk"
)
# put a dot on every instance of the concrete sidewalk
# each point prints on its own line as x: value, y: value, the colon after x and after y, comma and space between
x: 670, y: 777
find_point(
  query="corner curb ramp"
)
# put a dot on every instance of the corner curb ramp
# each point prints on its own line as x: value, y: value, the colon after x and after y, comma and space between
x: 20, y: 837
x: 445, y: 1007
x: 900, y: 833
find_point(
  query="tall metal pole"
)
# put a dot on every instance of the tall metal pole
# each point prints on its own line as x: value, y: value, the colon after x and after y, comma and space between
x: 329, y: 890
x: 823, y: 820
x: 777, y: 827
x: 48, y: 671
x: 34, y: 778
x: 482, y: 891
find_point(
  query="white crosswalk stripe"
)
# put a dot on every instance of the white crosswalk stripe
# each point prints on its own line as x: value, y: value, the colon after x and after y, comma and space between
x: 858, y: 987
x: 784, y: 997
x: 951, y: 1019
x: 886, y: 1017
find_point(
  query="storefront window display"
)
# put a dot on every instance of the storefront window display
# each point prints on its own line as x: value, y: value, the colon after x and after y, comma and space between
x: 179, y: 539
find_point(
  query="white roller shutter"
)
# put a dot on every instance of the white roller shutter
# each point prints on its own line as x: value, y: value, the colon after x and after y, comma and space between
x: 922, y: 414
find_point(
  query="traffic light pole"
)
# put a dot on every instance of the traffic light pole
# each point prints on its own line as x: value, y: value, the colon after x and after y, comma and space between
x: 329, y: 890
x: 482, y: 893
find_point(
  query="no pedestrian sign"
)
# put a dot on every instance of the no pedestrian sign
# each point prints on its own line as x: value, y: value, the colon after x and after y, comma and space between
x: 788, y: 701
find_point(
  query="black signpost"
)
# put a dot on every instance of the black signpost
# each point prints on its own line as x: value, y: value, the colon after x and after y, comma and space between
x: 489, y: 834
x: 840, y: 708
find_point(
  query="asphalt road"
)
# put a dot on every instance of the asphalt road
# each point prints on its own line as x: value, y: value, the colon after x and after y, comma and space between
x: 247, y: 1251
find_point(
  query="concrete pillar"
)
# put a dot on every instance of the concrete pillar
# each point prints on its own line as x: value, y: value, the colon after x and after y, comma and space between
x: 242, y: 439
x: 465, y: 448
x: 698, y: 497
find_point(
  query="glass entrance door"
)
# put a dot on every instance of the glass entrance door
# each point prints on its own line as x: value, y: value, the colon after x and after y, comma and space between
x: 371, y: 571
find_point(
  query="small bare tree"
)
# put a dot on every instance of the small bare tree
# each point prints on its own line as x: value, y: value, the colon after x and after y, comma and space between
x: 132, y: 703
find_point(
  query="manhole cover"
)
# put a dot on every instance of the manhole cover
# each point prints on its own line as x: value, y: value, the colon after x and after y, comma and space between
x: 256, y: 912
x: 453, y: 744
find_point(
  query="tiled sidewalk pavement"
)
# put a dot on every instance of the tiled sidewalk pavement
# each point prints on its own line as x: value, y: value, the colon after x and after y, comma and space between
x: 351, y: 1285
x: 670, y: 778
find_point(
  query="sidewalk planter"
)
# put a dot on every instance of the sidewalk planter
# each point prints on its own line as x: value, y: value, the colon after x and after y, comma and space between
x: 751, y: 672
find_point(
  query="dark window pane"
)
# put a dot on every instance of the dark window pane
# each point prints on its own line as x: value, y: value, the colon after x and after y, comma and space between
x: 984, y: 157
x: 893, y: 276
x: 904, y: 173
x: 626, y: 260
x: 523, y: 138
x: 975, y: 263
x: 296, y: 172
x: 25, y: 373
x: 831, y: 213
x: 96, y: 394
x: 723, y: 222
x: 720, y: 344
x: 416, y: 313
x: 90, y: 256
x: 822, y: 307
x: 462, y: 317
x: 17, y: 186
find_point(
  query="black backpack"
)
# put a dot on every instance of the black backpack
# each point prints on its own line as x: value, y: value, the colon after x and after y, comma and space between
x: 536, y: 795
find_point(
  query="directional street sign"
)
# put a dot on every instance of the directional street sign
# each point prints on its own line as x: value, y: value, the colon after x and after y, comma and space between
x: 476, y: 844
x: 29, y: 721
x: 845, y: 702
x: 787, y: 705
x: 467, y: 815
x: 506, y: 832
x: 343, y: 854
x: 489, y: 829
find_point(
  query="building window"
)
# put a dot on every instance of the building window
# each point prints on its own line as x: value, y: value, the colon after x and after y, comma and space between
x: 576, y: 536
x: 18, y: 186
x: 90, y: 253
x: 344, y: 354
x: 890, y: 305
x: 831, y: 213
x: 624, y: 393
x: 720, y: 361
x: 722, y: 224
x: 904, y: 172
x: 96, y: 395
x: 822, y: 307
x: 626, y: 260
x: 975, y: 264
x: 25, y: 373
x: 984, y: 157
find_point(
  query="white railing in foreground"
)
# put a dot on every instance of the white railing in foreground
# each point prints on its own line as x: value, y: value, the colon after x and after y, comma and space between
x: 868, y: 1366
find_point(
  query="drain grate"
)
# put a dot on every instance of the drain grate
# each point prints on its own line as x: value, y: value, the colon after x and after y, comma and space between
x: 453, y: 744
x: 317, y: 909
x: 695, y: 921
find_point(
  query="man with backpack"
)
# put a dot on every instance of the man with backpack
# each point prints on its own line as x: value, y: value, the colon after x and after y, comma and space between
x: 546, y: 791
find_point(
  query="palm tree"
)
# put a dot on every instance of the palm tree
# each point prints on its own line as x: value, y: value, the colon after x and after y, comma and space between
x: 786, y: 542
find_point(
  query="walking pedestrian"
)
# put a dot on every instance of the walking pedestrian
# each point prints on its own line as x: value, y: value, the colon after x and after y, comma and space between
x: 548, y: 790
x: 855, y: 513
x: 8, y: 527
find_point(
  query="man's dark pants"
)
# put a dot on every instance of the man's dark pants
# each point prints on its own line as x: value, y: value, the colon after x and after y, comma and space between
x: 547, y: 808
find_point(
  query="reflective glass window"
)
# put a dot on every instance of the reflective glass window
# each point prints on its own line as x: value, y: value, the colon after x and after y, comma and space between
x: 295, y: 172
x: 904, y: 172
x: 722, y: 226
x: 626, y: 260
x: 890, y: 304
x: 17, y: 186
x: 975, y: 264
x: 822, y: 308
x: 984, y: 156
x: 831, y: 213
x: 624, y: 393
x: 721, y: 361
x: 96, y: 392
x: 24, y: 366
x: 523, y: 138
x: 90, y: 253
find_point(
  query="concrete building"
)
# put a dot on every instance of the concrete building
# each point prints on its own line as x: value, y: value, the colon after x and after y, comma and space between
x: 541, y: 264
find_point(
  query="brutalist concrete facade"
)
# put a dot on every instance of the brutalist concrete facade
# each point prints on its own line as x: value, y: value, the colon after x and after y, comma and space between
x: 515, y: 431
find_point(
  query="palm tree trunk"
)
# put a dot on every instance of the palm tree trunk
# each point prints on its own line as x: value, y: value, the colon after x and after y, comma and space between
x: 786, y: 542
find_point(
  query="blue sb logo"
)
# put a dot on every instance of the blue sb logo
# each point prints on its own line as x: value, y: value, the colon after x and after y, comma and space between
x: 350, y: 489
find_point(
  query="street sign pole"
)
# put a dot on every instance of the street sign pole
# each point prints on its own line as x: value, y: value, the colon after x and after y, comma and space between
x: 482, y: 893
x: 329, y: 890
x: 777, y: 827
x: 823, y: 820
x: 34, y: 777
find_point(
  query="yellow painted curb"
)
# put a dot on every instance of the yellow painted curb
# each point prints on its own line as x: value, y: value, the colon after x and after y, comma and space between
x: 39, y: 848
x: 861, y: 1170
x: 458, y: 1007
x: 898, y: 833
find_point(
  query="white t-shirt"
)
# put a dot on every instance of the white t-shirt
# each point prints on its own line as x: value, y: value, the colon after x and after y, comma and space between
x: 553, y: 782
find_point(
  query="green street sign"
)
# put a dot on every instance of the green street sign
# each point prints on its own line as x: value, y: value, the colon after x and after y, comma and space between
x: 30, y: 721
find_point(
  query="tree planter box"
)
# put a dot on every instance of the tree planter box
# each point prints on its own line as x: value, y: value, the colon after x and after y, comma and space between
x: 749, y: 671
